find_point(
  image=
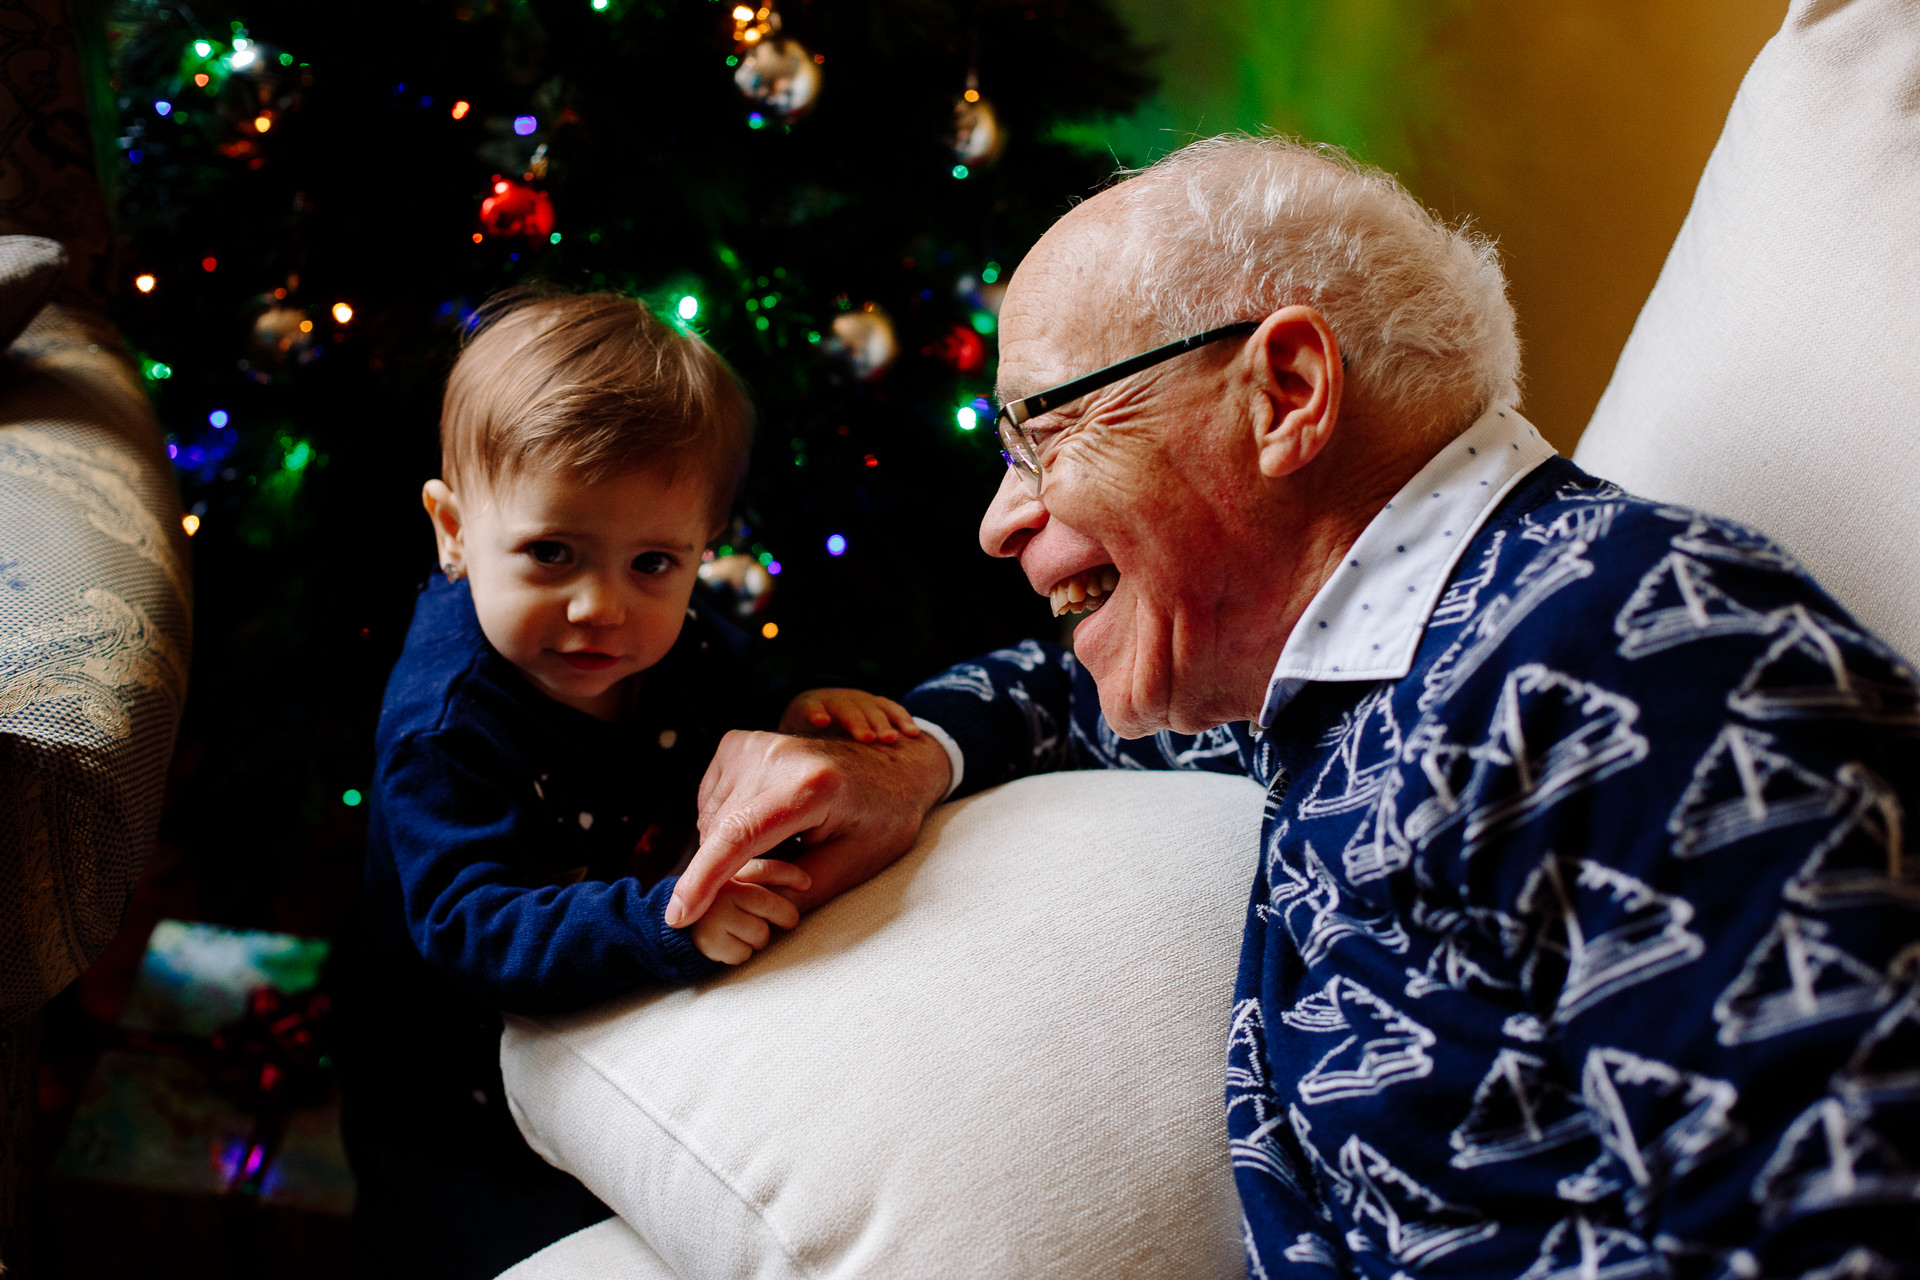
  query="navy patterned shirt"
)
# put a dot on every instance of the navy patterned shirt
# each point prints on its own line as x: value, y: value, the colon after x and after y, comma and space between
x: 1585, y: 943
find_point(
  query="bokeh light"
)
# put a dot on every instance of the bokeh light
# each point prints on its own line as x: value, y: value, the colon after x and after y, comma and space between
x: 836, y: 545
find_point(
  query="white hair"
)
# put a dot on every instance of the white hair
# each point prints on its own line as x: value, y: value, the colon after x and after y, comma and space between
x: 1237, y: 227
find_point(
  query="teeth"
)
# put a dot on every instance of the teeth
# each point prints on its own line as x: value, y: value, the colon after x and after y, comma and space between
x: 1084, y: 592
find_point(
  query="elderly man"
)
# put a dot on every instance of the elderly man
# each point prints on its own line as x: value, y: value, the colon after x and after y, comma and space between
x: 1583, y: 941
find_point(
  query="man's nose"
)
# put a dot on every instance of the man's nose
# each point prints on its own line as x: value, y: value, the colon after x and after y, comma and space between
x: 1012, y: 518
x: 596, y: 603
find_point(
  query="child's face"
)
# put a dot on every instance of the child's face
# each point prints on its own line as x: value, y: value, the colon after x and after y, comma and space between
x: 579, y: 585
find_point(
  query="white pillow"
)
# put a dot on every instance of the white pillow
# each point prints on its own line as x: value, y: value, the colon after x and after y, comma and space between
x: 1004, y: 1056
x: 1774, y: 374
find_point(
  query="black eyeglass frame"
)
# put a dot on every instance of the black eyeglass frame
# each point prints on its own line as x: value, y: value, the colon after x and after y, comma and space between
x: 1017, y: 444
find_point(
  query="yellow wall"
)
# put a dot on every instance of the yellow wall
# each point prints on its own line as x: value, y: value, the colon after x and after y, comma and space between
x: 1571, y: 130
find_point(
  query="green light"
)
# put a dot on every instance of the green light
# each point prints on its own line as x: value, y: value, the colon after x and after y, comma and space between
x: 299, y: 456
x: 286, y: 59
x: 728, y: 258
x: 351, y: 798
x: 990, y: 273
x: 762, y: 323
x: 966, y: 417
x: 751, y: 304
x: 723, y: 551
x: 599, y: 6
x: 766, y: 557
x: 554, y: 238
x: 959, y: 171
x: 813, y: 335
x: 732, y: 61
x: 770, y: 300
x: 157, y: 371
x: 984, y: 322
x: 756, y: 121
x: 687, y: 308
x: 203, y: 48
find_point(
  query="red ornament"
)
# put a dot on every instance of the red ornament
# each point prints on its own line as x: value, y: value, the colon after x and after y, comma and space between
x: 962, y: 349
x: 516, y: 209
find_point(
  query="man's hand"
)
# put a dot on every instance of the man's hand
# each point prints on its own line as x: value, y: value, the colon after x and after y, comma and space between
x: 744, y: 912
x: 855, y: 808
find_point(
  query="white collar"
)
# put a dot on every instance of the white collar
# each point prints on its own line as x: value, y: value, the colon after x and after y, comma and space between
x: 1366, y: 621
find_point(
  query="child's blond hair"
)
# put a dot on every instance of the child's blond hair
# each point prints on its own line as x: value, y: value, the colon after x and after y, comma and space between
x: 593, y: 384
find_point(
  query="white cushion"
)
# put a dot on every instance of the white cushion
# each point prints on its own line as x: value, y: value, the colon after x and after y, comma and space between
x: 605, y: 1251
x: 1004, y: 1056
x: 1774, y: 375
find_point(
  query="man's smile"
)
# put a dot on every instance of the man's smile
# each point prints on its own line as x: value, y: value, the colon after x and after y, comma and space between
x: 1085, y: 591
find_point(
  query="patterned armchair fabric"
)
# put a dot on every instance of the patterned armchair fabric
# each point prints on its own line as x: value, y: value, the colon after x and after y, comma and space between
x: 95, y: 607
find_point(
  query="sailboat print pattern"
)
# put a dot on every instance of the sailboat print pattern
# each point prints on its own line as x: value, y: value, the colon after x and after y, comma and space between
x: 1589, y: 949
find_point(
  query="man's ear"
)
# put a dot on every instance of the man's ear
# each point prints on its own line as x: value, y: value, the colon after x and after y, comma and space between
x: 1298, y: 382
x: 443, y: 509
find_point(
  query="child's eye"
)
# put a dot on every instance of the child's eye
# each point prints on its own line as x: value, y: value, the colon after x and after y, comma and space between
x: 549, y: 552
x: 653, y: 563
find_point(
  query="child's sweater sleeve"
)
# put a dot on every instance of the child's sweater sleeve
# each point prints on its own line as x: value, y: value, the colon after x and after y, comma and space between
x: 464, y: 843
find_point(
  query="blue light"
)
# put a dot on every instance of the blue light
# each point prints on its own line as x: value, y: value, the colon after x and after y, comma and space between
x: 218, y: 418
x: 960, y: 171
x: 163, y: 108
x: 135, y: 156
x: 524, y: 125
x: 755, y: 120
x: 426, y: 101
x: 773, y: 567
x: 983, y: 406
x: 836, y: 545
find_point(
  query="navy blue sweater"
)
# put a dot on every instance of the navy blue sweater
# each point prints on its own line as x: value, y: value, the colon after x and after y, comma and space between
x: 518, y: 850
x: 1589, y: 949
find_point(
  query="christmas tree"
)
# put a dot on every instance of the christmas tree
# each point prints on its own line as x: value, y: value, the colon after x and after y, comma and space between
x: 313, y: 198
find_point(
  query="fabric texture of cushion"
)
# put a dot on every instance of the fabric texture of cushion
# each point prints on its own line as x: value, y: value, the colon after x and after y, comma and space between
x: 1774, y: 372
x: 605, y: 1251
x: 1002, y: 1056
x: 30, y: 270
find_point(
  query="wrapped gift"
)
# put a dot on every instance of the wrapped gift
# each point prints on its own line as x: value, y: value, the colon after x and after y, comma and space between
x: 209, y: 1138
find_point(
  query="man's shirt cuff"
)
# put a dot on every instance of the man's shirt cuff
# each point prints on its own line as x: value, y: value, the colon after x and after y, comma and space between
x: 948, y: 745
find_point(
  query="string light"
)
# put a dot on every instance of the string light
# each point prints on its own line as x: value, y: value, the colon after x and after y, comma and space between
x: 351, y: 798
x: 209, y: 263
x: 836, y: 545
x: 163, y: 108
x: 688, y: 307
x: 203, y: 48
x: 966, y: 417
x: 191, y: 523
x: 773, y: 567
x: 524, y: 125
x: 263, y: 122
x: 200, y: 79
x: 971, y: 95
x: 770, y: 630
x: 960, y: 171
x: 144, y: 283
x: 461, y: 108
x: 306, y: 326
x: 342, y: 313
x: 218, y: 418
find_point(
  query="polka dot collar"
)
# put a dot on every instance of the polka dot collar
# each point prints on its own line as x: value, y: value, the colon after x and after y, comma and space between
x: 1367, y: 620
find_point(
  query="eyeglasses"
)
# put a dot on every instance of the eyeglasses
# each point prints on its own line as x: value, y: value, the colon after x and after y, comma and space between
x: 1022, y: 451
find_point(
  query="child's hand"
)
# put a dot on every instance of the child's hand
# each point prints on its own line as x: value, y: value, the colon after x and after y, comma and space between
x: 741, y: 919
x: 866, y: 717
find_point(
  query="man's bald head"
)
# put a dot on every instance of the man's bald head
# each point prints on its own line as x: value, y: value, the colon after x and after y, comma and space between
x: 1235, y: 228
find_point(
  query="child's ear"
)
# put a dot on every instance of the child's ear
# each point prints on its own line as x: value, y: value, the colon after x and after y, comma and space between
x: 443, y: 509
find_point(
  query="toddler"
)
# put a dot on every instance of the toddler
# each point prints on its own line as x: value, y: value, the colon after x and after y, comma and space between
x: 539, y: 752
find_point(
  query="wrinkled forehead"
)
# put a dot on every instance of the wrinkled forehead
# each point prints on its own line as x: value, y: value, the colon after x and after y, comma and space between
x: 1071, y: 306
